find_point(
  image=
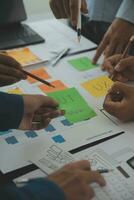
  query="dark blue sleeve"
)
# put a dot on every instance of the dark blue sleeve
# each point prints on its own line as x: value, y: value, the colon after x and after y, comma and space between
x: 11, y: 111
x: 38, y: 189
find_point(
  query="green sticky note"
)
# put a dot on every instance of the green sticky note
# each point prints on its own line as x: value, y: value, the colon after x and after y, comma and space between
x: 74, y: 104
x: 82, y: 64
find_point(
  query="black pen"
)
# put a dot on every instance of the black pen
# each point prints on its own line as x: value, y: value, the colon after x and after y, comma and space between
x: 103, y: 171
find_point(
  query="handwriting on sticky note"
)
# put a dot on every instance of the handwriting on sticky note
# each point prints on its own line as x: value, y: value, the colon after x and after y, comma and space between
x: 98, y: 87
x: 74, y: 104
x: 82, y: 64
x: 24, y: 56
x: 58, y: 86
x: 41, y: 73
x: 15, y: 91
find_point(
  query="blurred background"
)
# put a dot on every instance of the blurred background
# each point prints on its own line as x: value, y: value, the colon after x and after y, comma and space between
x: 37, y: 8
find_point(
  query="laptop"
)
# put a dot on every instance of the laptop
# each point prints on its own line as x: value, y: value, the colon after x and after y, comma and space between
x: 13, y: 33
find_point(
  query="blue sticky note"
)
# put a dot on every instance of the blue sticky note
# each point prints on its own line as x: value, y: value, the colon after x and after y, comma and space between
x: 65, y: 122
x: 31, y: 134
x: 50, y: 128
x: 58, y: 139
x: 11, y: 140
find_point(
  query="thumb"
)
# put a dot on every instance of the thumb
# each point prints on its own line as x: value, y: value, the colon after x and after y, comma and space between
x: 48, y: 102
x: 84, y: 7
x: 122, y: 88
x: 125, y: 63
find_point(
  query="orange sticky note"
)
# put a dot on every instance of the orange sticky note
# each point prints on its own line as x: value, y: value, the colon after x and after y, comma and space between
x: 58, y: 86
x: 41, y: 73
x: 24, y: 56
x: 98, y: 87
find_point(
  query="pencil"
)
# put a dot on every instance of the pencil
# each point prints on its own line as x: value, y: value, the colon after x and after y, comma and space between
x: 37, y: 78
x: 124, y: 54
x: 79, y: 21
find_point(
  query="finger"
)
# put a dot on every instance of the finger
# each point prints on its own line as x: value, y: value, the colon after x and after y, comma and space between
x: 125, y: 63
x: 7, y: 60
x: 56, y: 8
x: 48, y: 102
x: 43, y: 110
x: 11, y: 71
x: 101, y: 49
x: 40, y: 125
x: 55, y: 114
x: 82, y: 165
x: 122, y: 87
x: 52, y: 115
x: 67, y: 8
x: 94, y: 177
x: 107, y: 66
x: 84, y: 7
x: 111, y: 49
x: 74, y: 5
x: 120, y: 48
x: 7, y: 80
x: 121, y: 78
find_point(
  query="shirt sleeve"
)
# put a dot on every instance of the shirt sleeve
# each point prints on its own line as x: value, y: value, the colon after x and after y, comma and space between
x: 42, y: 189
x: 38, y: 189
x: 11, y: 111
x: 126, y: 11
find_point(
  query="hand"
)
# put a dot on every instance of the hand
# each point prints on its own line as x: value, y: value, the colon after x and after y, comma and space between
x: 119, y: 102
x: 9, y: 71
x: 115, y: 39
x: 67, y: 9
x: 124, y: 68
x: 38, y: 112
x: 74, y: 180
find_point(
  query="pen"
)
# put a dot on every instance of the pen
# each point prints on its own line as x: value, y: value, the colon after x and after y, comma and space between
x: 37, y: 78
x: 79, y: 21
x: 102, y: 171
x: 62, y: 54
x: 124, y: 54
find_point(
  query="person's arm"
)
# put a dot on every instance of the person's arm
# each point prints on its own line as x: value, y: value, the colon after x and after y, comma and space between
x: 71, y: 182
x: 11, y: 111
x: 126, y: 11
x: 39, y: 189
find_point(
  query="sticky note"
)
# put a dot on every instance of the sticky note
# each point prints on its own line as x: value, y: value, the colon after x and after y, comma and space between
x: 15, y: 91
x: 74, y: 104
x: 24, y: 56
x: 98, y: 87
x: 58, y: 139
x: 58, y: 86
x: 82, y: 64
x: 41, y: 72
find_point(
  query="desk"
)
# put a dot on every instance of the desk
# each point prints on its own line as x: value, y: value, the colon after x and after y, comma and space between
x: 72, y: 143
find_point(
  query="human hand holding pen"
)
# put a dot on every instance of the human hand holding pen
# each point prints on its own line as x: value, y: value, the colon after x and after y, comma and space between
x: 124, y: 68
x: 75, y: 180
x: 68, y: 9
x: 119, y: 102
x: 10, y: 71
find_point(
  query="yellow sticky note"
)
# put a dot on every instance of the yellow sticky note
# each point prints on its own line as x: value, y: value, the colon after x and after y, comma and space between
x: 98, y: 87
x: 15, y: 91
x: 24, y: 56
